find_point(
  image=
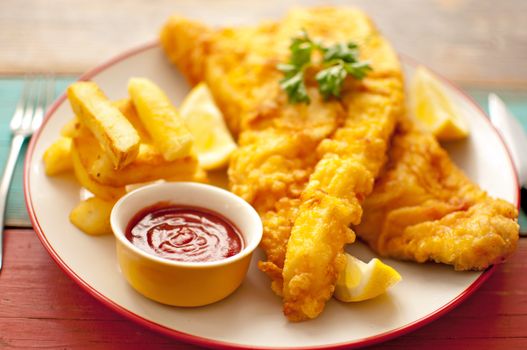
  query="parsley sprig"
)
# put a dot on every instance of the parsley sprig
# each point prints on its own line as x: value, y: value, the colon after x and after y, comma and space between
x: 338, y: 61
x: 293, y: 82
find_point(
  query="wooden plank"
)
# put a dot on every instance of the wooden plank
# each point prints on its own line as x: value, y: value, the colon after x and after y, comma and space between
x: 36, y: 295
x: 454, y: 344
x: 476, y: 42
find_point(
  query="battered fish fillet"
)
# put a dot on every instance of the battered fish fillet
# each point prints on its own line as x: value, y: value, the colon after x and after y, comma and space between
x: 281, y: 143
x: 349, y: 162
x: 277, y: 140
x: 423, y: 208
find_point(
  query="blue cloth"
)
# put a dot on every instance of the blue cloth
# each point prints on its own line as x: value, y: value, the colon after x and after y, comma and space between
x: 10, y: 90
x: 11, y: 87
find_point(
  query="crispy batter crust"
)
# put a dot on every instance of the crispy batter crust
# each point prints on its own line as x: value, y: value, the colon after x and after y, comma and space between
x: 423, y: 208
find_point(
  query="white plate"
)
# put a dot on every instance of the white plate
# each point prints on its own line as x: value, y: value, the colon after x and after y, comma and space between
x: 252, y: 316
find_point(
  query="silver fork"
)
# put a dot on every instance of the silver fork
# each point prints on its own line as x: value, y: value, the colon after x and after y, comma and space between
x: 37, y: 93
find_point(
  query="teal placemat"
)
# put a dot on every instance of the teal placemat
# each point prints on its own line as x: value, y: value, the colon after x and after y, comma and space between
x: 516, y: 101
x: 10, y: 89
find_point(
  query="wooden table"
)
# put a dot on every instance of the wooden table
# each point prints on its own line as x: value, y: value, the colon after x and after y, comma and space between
x: 42, y: 307
x: 478, y: 44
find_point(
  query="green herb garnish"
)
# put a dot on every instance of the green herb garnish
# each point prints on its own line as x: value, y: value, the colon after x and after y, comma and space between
x: 293, y: 81
x: 338, y: 61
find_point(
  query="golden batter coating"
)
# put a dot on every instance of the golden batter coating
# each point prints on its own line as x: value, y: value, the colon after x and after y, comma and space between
x: 281, y: 143
x: 423, y: 208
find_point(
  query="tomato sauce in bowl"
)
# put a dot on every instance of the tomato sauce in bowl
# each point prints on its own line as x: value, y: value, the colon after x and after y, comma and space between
x: 183, y: 233
x: 184, y: 243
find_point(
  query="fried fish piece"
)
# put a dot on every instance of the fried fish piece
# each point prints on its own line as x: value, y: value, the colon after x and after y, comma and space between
x: 277, y: 140
x: 281, y: 143
x: 349, y: 162
x: 423, y: 208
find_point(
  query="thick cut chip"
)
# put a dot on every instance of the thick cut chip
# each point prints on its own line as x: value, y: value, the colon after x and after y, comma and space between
x: 127, y: 108
x: 149, y: 164
x: 114, y: 132
x: 92, y: 216
x: 70, y: 128
x: 161, y: 119
x: 57, y: 158
x: 103, y: 191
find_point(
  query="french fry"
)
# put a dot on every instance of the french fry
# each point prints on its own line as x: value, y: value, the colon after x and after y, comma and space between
x: 148, y: 166
x: 114, y: 132
x: 70, y: 128
x: 57, y: 158
x: 92, y: 216
x: 111, y: 145
x: 199, y: 175
x: 127, y: 108
x: 109, y: 193
x: 161, y: 119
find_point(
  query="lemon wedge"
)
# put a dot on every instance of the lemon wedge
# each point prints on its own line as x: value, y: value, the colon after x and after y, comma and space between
x: 362, y: 281
x: 212, y: 140
x: 433, y: 109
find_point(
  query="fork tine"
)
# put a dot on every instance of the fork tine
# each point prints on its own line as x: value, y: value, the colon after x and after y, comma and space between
x: 16, y: 121
x: 30, y: 103
x: 39, y: 101
x: 50, y: 91
x: 46, y: 92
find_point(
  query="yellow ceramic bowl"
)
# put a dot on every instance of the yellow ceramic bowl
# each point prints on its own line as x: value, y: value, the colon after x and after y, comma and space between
x: 185, y: 283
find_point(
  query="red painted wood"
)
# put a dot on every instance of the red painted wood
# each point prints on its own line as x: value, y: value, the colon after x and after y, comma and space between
x: 41, y: 307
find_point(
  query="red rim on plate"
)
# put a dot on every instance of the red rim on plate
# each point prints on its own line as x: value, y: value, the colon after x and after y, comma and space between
x: 210, y: 342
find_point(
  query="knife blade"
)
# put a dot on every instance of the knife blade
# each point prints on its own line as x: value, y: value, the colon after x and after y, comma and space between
x: 513, y: 134
x: 515, y: 138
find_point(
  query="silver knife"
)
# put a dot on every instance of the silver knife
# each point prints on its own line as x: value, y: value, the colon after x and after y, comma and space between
x: 514, y: 137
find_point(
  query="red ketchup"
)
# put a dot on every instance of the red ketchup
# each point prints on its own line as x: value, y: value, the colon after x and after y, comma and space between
x: 184, y: 233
